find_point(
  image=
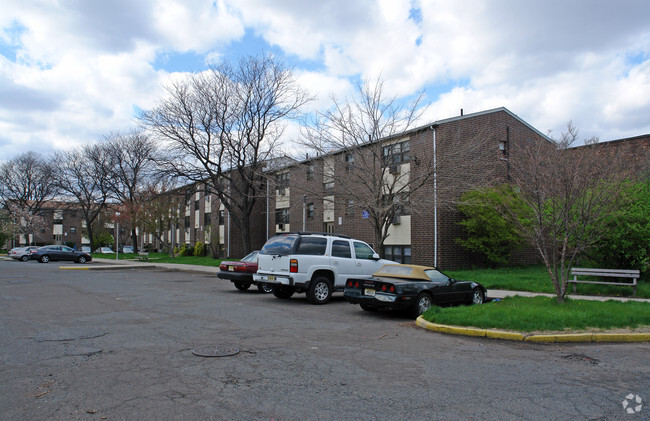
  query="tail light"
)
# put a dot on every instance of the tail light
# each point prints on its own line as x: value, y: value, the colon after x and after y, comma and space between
x: 387, y: 288
x: 352, y: 283
x: 293, y: 265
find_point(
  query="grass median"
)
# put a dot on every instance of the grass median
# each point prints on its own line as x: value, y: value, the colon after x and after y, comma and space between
x: 165, y: 258
x: 536, y: 279
x: 544, y: 314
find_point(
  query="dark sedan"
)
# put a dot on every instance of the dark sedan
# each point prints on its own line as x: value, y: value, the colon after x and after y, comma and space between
x: 241, y: 272
x: 46, y: 254
x: 411, y: 287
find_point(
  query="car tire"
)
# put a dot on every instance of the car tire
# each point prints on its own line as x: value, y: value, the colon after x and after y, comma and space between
x: 477, y: 296
x: 81, y: 259
x: 24, y: 258
x: 44, y: 259
x: 422, y: 304
x: 242, y: 286
x: 319, y: 291
x: 366, y: 307
x: 265, y: 288
x: 282, y: 291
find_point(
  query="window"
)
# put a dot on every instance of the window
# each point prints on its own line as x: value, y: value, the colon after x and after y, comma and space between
x: 400, y: 254
x: 310, y: 171
x: 196, y: 205
x: 222, y: 217
x: 328, y: 185
x: 349, y: 162
x: 310, y: 210
x: 328, y: 227
x: 207, y: 219
x: 401, y: 202
x: 282, y: 180
x: 341, y: 249
x: 73, y: 230
x: 187, y: 222
x: 396, y: 153
x: 363, y: 251
x: 282, y: 216
x: 314, y: 246
x: 349, y: 210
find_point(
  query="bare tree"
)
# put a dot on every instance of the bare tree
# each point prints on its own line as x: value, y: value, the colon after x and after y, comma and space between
x: 26, y: 183
x: 160, y: 213
x: 569, y: 193
x: 222, y: 125
x: 377, y: 170
x: 82, y: 174
x: 132, y: 168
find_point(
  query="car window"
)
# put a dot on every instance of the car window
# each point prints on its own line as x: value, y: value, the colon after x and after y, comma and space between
x: 363, y: 251
x: 252, y: 257
x: 313, y: 246
x: 436, y: 276
x: 67, y: 249
x: 281, y: 245
x: 341, y: 249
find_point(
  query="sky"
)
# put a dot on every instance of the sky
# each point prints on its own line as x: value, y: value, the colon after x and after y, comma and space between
x: 74, y: 71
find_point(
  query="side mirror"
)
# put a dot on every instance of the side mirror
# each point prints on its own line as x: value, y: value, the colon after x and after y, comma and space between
x: 375, y: 256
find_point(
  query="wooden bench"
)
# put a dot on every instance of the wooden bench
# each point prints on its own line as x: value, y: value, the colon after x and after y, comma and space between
x: 612, y: 273
x: 143, y: 255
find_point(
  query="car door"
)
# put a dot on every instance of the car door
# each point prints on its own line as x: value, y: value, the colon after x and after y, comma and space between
x: 67, y: 254
x: 342, y: 261
x: 54, y: 252
x: 365, y: 264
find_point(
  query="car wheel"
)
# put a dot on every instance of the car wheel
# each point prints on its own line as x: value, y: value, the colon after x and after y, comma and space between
x: 265, y: 288
x: 320, y: 290
x: 366, y: 307
x: 282, y: 291
x: 477, y: 296
x: 81, y: 259
x: 44, y: 259
x: 242, y: 286
x: 24, y: 258
x: 422, y: 304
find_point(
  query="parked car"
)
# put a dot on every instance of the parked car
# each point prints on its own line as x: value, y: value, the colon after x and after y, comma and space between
x: 241, y: 272
x: 46, y: 254
x: 127, y: 249
x: 411, y: 287
x: 21, y: 253
x: 316, y: 263
x: 85, y: 249
x: 104, y: 250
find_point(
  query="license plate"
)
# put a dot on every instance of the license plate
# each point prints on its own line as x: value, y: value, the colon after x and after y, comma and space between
x: 231, y: 268
x: 271, y: 278
x: 369, y: 291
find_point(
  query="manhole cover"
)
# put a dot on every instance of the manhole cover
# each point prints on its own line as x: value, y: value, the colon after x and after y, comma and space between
x: 215, y: 351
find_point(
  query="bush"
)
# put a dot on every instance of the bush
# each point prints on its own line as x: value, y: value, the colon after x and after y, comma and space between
x: 199, y: 249
x: 488, y: 232
x: 626, y: 244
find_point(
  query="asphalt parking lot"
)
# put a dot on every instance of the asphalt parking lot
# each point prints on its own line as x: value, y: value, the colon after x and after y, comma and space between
x: 117, y: 345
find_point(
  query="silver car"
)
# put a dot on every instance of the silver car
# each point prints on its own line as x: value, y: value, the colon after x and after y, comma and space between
x: 21, y: 253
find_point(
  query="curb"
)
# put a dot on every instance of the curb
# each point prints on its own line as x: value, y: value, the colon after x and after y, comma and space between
x: 105, y: 267
x: 515, y: 336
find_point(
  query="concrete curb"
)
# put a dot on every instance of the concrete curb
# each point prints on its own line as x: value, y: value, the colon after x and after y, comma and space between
x: 106, y: 267
x: 516, y: 336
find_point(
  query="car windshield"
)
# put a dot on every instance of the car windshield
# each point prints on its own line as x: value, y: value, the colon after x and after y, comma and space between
x: 281, y: 245
x: 436, y: 276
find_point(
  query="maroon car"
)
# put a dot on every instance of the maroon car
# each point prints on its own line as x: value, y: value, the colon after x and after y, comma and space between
x: 241, y: 273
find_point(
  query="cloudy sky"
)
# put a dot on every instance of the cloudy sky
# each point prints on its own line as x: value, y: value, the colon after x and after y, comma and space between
x: 72, y: 71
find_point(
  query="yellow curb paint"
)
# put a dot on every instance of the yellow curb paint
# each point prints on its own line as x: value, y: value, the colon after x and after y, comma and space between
x: 498, y: 334
x: 621, y: 337
x: 551, y: 338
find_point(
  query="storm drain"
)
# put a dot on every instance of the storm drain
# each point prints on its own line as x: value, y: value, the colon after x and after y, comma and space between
x: 216, y: 351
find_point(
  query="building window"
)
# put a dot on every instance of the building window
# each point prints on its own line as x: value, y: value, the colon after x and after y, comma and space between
x: 349, y: 210
x: 310, y: 210
x: 310, y: 171
x: 187, y: 222
x: 207, y: 219
x: 349, y: 162
x: 399, y: 254
x: 73, y: 230
x: 196, y: 205
x: 328, y: 227
x: 282, y: 216
x: 396, y: 153
x: 222, y: 217
x: 329, y: 185
x: 282, y: 180
x: 401, y: 203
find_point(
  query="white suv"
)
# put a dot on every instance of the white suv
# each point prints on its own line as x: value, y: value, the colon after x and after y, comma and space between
x: 315, y: 263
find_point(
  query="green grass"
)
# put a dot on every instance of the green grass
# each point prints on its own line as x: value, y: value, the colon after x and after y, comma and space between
x: 534, y: 314
x: 164, y: 258
x: 536, y: 279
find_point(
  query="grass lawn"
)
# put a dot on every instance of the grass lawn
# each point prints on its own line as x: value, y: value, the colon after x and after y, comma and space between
x: 165, y: 258
x: 537, y: 314
x: 536, y: 279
